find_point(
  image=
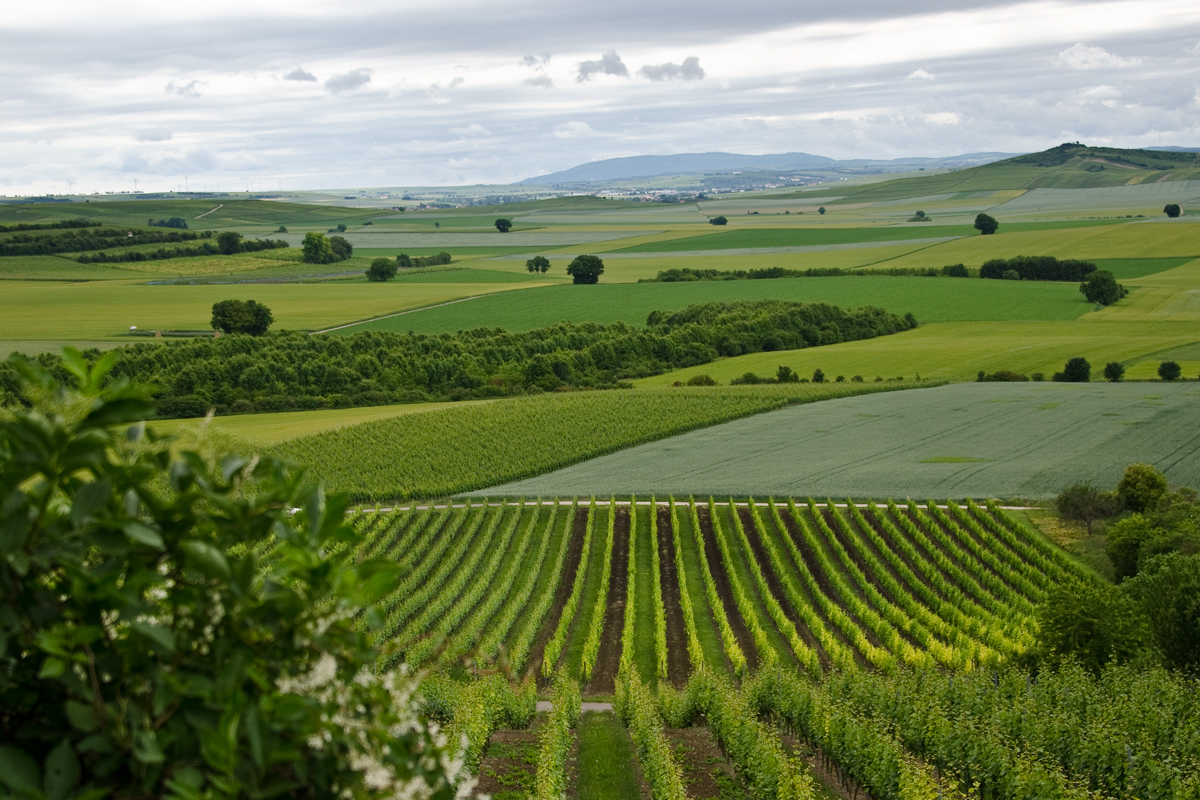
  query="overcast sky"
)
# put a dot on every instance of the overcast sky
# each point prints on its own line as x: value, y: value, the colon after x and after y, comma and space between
x: 313, y: 93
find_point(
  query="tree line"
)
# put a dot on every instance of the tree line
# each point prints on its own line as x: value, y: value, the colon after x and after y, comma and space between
x: 82, y: 238
x: 687, y: 274
x: 291, y: 370
x: 228, y: 243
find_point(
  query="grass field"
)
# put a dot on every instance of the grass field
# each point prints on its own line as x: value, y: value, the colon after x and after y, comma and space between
x: 1005, y: 440
x: 930, y: 299
x: 799, y: 237
x: 958, y: 350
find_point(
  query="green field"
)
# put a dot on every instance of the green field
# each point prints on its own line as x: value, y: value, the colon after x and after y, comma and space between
x: 981, y: 440
x: 801, y: 237
x: 930, y: 299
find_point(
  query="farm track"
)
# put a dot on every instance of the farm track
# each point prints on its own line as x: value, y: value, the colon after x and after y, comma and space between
x: 609, y: 658
x: 677, y: 658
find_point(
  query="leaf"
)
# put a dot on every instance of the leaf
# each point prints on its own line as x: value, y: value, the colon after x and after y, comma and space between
x: 159, y: 636
x: 62, y: 771
x: 146, y: 749
x: 18, y: 771
x: 89, y: 498
x: 120, y: 412
x: 52, y: 668
x: 14, y: 532
x: 254, y: 733
x: 206, y: 558
x: 143, y: 534
x: 82, y: 716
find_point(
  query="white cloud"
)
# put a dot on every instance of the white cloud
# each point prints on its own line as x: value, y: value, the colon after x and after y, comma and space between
x: 689, y: 70
x: 189, y: 89
x: 572, y: 130
x: 608, y: 64
x: 919, y: 75
x: 349, y: 81
x: 153, y: 135
x: 943, y: 118
x: 474, y: 129
x: 1102, y: 92
x: 299, y: 74
x: 1082, y: 56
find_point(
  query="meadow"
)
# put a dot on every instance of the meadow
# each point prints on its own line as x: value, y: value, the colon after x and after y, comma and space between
x: 1022, y: 440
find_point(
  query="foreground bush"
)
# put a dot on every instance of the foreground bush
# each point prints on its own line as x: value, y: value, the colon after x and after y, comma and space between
x: 148, y: 649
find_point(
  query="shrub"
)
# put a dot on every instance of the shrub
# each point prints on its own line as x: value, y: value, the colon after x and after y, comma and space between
x: 1038, y: 376
x: 1010, y: 275
x: 1172, y: 210
x: 955, y: 271
x: 1114, y: 371
x: 748, y: 379
x: 718, y: 221
x: 1169, y: 371
x: 785, y: 374
x: 1141, y: 487
x: 1001, y: 376
x: 381, y: 269
x: 818, y: 376
x: 857, y: 379
x: 701, y: 380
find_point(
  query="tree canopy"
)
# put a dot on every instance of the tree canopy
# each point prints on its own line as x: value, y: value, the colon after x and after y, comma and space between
x: 381, y: 269
x: 1077, y: 370
x: 538, y: 264
x: 718, y: 221
x: 1172, y: 210
x: 150, y: 651
x: 316, y: 249
x: 1102, y: 287
x: 1169, y: 370
x: 986, y: 224
x: 586, y: 269
x: 237, y: 316
x: 504, y: 225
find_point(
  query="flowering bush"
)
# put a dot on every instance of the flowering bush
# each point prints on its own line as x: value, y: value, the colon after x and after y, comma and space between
x: 170, y: 627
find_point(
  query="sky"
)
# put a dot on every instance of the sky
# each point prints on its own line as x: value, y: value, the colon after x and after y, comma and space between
x: 309, y: 94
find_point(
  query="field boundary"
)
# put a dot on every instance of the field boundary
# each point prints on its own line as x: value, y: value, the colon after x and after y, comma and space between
x: 397, y: 314
x: 658, y: 503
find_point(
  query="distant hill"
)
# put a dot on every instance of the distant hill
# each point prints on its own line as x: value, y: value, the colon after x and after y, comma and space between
x: 634, y: 167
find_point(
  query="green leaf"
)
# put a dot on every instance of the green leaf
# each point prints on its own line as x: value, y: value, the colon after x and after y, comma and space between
x: 159, y: 636
x: 52, y: 668
x: 143, y: 534
x: 82, y: 716
x: 121, y: 412
x: 18, y: 771
x: 62, y: 771
x: 254, y: 733
x: 89, y: 498
x: 146, y: 749
x: 14, y: 532
x: 206, y: 558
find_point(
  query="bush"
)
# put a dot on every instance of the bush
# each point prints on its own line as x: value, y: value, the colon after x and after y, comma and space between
x: 955, y: 271
x: 1037, y: 268
x: 1114, y: 371
x: 1169, y: 371
x: 1010, y: 275
x: 381, y: 269
x: 718, y: 221
x: 236, y: 316
x: 1093, y: 623
x: 1001, y: 376
x: 1169, y: 589
x: 748, y: 379
x: 785, y: 374
x: 1038, y: 376
x: 1172, y: 210
x: 818, y: 376
x: 539, y: 264
x: 1141, y: 487
x: 1077, y: 370
x: 150, y: 652
x: 701, y: 380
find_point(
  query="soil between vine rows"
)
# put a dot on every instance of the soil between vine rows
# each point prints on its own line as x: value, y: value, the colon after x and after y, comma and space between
x: 678, y: 667
x: 609, y: 658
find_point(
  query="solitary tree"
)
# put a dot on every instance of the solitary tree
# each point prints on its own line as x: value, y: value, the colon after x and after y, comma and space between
x: 821, y: 210
x: 920, y: 217
x: 1172, y: 210
x: 538, y: 264
x: 818, y: 376
x: 986, y: 224
x: 586, y: 269
x: 1077, y: 370
x: 718, y: 221
x: 316, y: 249
x: 1083, y: 502
x: 503, y: 225
x: 381, y: 269
x: 1114, y: 371
x: 237, y: 316
x: 1101, y: 287
x: 229, y: 242
x: 1169, y: 370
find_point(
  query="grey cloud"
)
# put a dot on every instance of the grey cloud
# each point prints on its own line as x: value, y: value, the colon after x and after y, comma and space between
x: 153, y: 135
x: 189, y: 89
x: 457, y: 81
x: 543, y: 81
x: 689, y: 70
x: 536, y: 61
x: 171, y: 162
x: 608, y: 64
x: 349, y: 81
x: 299, y: 74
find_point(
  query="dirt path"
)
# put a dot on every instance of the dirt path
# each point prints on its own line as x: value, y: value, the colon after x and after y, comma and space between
x: 677, y: 655
x: 574, y: 554
x: 211, y: 210
x: 725, y: 590
x: 609, y: 658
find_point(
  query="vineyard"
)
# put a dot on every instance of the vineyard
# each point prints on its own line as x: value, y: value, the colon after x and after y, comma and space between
x: 868, y: 644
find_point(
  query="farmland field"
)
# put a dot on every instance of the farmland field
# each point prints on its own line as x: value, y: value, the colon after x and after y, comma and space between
x: 1024, y: 440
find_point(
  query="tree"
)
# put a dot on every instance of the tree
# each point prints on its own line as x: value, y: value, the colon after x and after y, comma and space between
x: 818, y: 376
x: 920, y: 217
x: 1141, y: 486
x: 503, y: 225
x: 340, y: 247
x: 151, y: 650
x: 1077, y: 370
x: 229, y: 242
x: 821, y: 210
x: 1169, y: 370
x: 1172, y: 210
x: 1101, y: 287
x: 955, y: 271
x: 986, y: 224
x: 316, y: 249
x: 785, y: 374
x: 237, y: 316
x: 1091, y: 622
x: 1114, y: 371
x: 281, y: 229
x: 403, y: 261
x: 1083, y: 502
x: 586, y: 269
x: 381, y: 269
x: 1169, y: 589
x: 718, y: 221
x: 538, y: 264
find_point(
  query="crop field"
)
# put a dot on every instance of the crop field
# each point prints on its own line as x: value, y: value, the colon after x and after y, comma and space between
x: 930, y: 299
x: 872, y: 633
x: 1022, y: 440
x: 465, y: 447
x: 794, y: 237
